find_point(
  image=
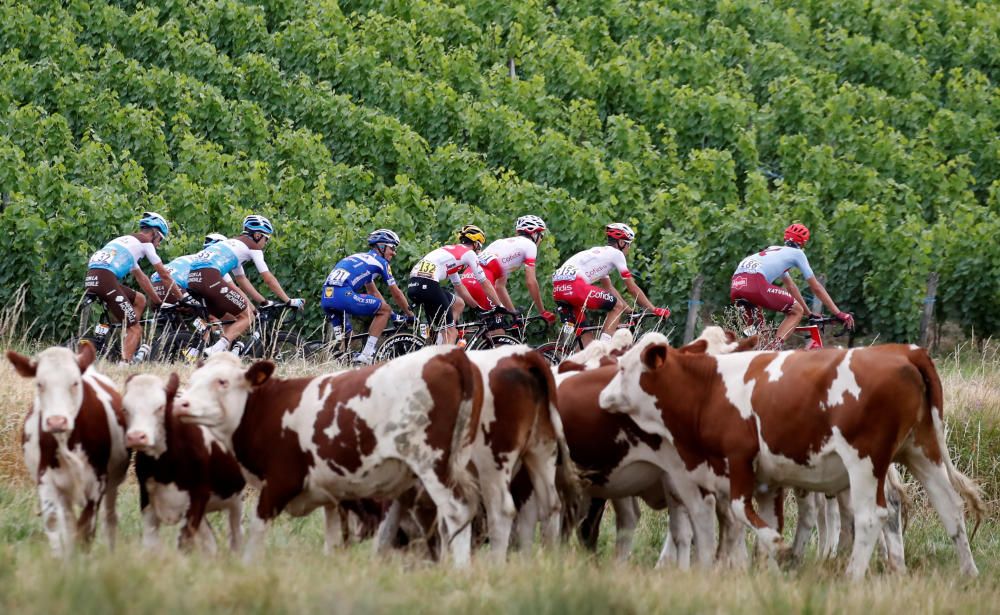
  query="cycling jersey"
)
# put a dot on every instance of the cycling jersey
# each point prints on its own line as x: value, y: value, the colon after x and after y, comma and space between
x: 123, y: 254
x: 357, y: 270
x: 775, y: 261
x: 179, y: 268
x: 446, y: 262
x: 509, y: 254
x: 592, y: 265
x: 228, y: 256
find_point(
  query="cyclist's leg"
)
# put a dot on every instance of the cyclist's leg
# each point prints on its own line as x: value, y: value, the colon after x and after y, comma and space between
x: 599, y: 299
x: 221, y: 301
x: 757, y: 290
x: 360, y: 304
x: 439, y: 305
x: 123, y: 303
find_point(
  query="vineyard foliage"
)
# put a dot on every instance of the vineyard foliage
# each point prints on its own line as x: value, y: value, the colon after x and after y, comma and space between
x: 709, y: 126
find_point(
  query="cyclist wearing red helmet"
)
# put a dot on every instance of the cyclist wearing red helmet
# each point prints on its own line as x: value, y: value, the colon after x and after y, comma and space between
x: 754, y: 277
x: 573, y: 284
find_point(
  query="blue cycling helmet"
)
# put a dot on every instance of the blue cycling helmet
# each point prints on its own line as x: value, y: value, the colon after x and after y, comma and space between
x: 383, y: 235
x: 214, y: 238
x: 257, y: 224
x: 153, y: 220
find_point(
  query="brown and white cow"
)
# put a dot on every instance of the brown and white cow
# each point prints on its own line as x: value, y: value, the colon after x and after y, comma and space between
x: 74, y: 444
x: 369, y: 432
x: 182, y: 470
x: 819, y: 420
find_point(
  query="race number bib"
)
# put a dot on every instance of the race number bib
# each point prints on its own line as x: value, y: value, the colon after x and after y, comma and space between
x: 102, y: 257
x: 337, y: 277
x: 566, y: 273
x: 425, y: 269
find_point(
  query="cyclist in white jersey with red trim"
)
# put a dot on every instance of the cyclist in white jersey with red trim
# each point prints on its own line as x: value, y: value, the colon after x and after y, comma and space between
x: 109, y: 265
x: 754, y: 278
x: 424, y: 289
x: 507, y: 255
x: 573, y: 284
x: 209, y: 267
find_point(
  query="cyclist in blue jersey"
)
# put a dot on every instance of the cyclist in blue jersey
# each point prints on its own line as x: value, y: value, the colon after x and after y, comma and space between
x: 211, y: 264
x: 754, y: 278
x: 109, y: 265
x: 342, y: 294
x: 179, y: 268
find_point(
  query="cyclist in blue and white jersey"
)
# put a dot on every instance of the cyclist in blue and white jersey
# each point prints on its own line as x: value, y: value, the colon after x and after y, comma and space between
x: 754, y: 278
x: 218, y: 259
x: 342, y: 295
x: 179, y: 268
x: 109, y: 265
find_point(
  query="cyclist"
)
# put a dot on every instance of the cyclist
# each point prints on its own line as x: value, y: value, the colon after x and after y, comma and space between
x: 215, y: 261
x: 342, y: 292
x: 573, y: 284
x: 424, y: 288
x: 109, y: 265
x: 754, y: 279
x: 503, y: 257
x: 179, y: 269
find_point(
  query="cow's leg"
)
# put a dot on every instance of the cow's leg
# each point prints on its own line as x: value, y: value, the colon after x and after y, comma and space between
x: 525, y: 523
x: 193, y: 521
x: 540, y: 461
x: 333, y: 536
x: 387, y: 529
x: 947, y: 503
x: 86, y: 524
x: 846, y: 541
x: 832, y: 530
x: 677, y: 545
x: 257, y: 534
x: 868, y: 504
x: 807, y: 521
x: 150, y: 528
x: 626, y: 519
x: 111, y: 515
x: 234, y: 514
x: 892, y: 531
x: 741, y: 488
x: 205, y: 537
x: 590, y: 527
x: 732, y: 550
x: 55, y: 519
x: 457, y: 516
x: 769, y: 502
x: 494, y: 486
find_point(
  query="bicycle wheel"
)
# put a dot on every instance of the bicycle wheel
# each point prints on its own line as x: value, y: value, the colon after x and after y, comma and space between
x: 495, y: 341
x: 171, y: 345
x: 550, y: 350
x: 105, y: 346
x: 398, y: 345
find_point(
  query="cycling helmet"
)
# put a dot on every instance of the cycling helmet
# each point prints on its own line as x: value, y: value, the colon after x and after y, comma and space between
x: 529, y: 224
x: 214, y: 238
x: 619, y: 230
x: 797, y: 233
x: 257, y: 224
x: 471, y: 233
x: 153, y: 220
x: 383, y: 235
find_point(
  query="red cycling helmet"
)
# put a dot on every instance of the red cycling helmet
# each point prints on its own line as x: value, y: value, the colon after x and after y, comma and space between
x: 797, y: 233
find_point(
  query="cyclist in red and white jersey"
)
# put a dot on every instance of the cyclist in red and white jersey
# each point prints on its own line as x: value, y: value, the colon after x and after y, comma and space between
x: 507, y: 255
x: 426, y: 276
x: 573, y: 284
x: 754, y: 278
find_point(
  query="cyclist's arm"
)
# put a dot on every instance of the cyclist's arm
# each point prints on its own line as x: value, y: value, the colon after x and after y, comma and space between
x: 501, y: 288
x: 275, y: 286
x: 466, y: 296
x: 818, y: 288
x: 147, y: 286
x: 636, y: 292
x: 794, y: 290
x: 490, y: 292
x: 532, y: 283
x: 248, y: 288
x: 400, y: 299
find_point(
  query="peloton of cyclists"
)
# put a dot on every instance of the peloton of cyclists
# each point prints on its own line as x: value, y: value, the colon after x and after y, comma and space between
x: 753, y: 281
x: 342, y: 295
x: 505, y: 256
x: 119, y: 257
x: 179, y: 268
x: 218, y: 259
x: 424, y: 288
x: 573, y: 284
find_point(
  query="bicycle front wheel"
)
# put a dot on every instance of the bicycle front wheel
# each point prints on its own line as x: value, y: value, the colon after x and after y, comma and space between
x: 398, y: 345
x: 282, y: 346
x: 495, y: 341
x: 171, y: 345
x: 550, y: 350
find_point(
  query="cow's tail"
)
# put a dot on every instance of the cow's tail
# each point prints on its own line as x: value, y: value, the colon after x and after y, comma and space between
x: 569, y: 485
x: 966, y: 487
x: 470, y: 383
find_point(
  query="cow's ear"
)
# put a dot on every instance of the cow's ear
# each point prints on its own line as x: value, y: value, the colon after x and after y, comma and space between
x: 24, y: 366
x: 746, y: 344
x: 569, y: 366
x: 85, y: 355
x: 696, y: 347
x: 173, y: 383
x: 259, y: 372
x: 606, y: 361
x: 654, y: 356
x: 129, y: 379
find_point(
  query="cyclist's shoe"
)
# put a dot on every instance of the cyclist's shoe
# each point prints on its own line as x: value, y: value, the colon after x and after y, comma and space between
x: 359, y: 359
x: 141, y: 354
x: 661, y: 312
x: 548, y: 316
x: 192, y: 355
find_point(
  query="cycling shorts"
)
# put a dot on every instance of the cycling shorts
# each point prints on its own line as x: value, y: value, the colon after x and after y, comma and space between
x: 219, y: 297
x: 338, y: 299
x: 755, y: 288
x: 435, y: 300
x: 578, y: 295
x: 475, y: 289
x: 115, y: 296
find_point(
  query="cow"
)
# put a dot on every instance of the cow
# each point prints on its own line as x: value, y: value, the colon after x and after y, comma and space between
x: 372, y: 432
x: 73, y: 440
x: 821, y: 420
x: 183, y: 472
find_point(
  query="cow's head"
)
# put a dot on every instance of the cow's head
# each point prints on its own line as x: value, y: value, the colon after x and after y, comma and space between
x: 216, y: 394
x: 624, y: 393
x: 58, y: 375
x: 145, y: 400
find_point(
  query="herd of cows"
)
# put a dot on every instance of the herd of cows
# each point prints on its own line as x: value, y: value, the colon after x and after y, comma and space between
x: 450, y: 449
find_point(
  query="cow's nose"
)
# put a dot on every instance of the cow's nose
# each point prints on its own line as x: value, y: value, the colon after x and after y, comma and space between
x: 56, y: 424
x: 136, y: 438
x: 183, y: 406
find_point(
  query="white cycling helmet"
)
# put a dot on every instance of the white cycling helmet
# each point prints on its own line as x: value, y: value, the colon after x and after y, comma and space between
x: 529, y: 224
x: 214, y: 238
x: 619, y: 230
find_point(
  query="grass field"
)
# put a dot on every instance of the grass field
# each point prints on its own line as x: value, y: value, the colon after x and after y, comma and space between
x: 294, y: 576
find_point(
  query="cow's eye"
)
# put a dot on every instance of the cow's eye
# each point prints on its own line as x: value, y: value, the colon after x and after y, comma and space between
x: 223, y: 382
x: 161, y: 409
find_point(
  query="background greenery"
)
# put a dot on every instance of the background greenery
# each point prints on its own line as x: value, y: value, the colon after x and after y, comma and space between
x: 707, y: 125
